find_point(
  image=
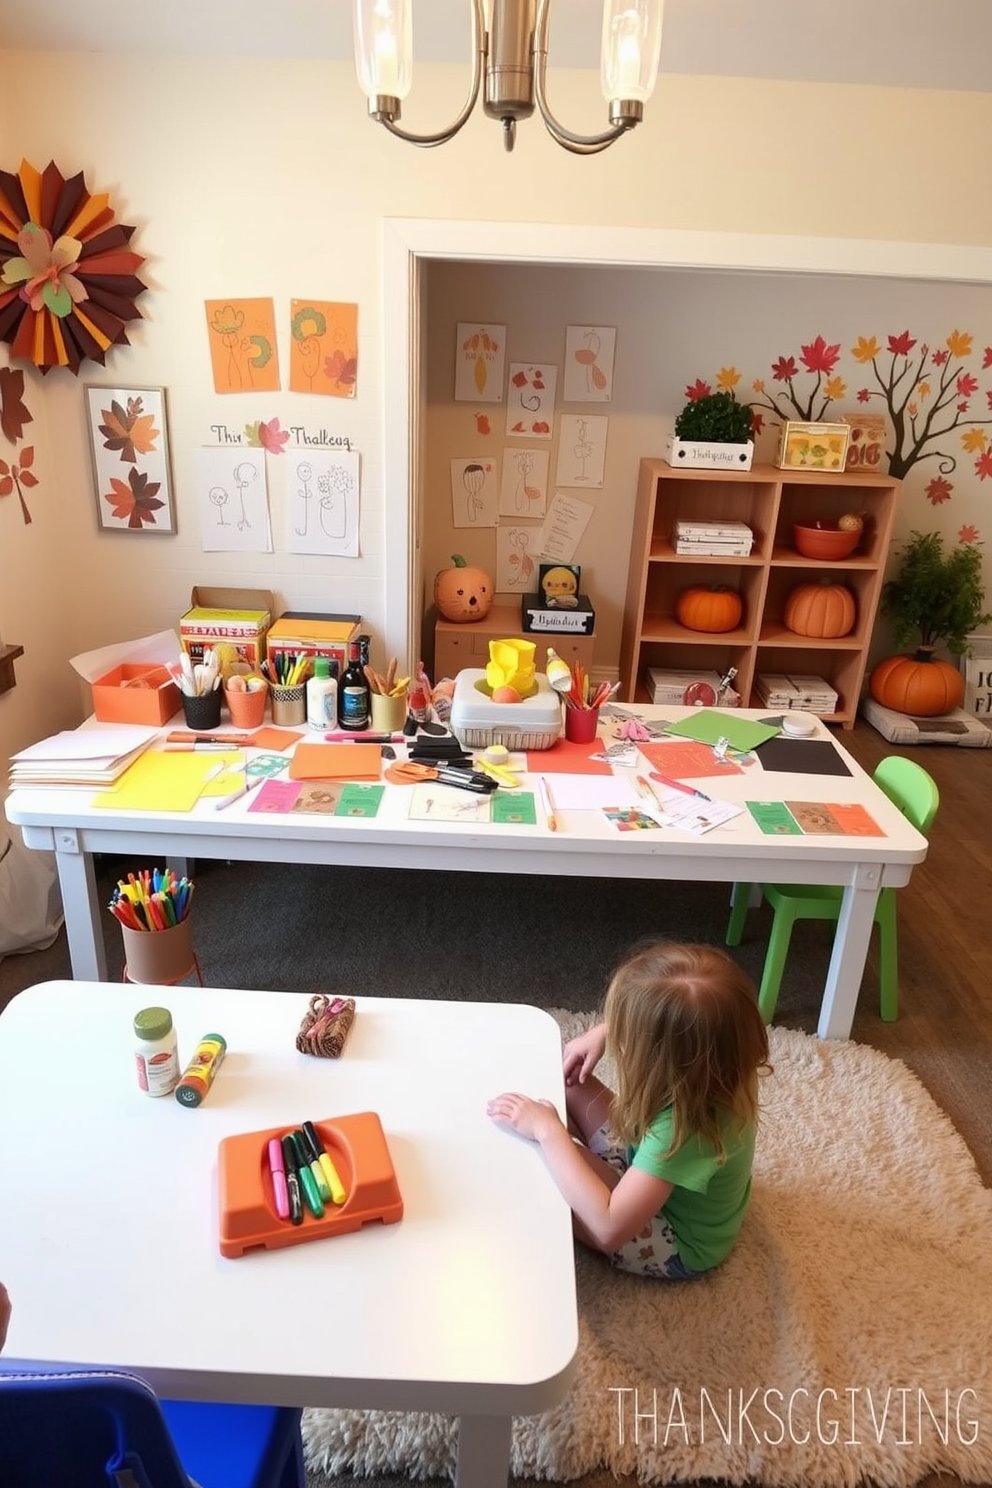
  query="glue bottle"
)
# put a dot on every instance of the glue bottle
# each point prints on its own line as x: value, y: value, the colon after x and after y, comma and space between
x: 322, y: 696
x: 198, y: 1076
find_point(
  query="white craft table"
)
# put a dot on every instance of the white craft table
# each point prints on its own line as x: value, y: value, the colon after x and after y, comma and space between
x: 466, y: 1306
x: 67, y: 822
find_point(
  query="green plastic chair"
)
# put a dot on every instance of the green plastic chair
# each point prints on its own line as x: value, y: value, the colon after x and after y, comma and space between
x: 915, y: 793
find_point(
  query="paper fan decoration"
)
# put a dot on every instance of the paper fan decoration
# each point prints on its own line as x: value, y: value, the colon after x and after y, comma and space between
x: 68, y: 280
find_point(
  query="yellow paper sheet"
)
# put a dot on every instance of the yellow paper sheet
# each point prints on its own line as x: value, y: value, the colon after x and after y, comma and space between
x: 163, y: 781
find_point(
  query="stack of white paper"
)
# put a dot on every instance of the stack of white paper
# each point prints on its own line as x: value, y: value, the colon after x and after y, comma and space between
x: 94, y: 757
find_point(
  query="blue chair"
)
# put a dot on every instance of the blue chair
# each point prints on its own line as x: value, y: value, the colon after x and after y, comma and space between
x: 79, y: 1428
x: 915, y: 792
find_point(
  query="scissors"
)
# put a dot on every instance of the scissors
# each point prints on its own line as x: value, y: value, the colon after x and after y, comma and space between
x: 410, y: 772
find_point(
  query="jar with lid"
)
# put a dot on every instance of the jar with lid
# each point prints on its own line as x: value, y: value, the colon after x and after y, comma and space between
x: 156, y: 1052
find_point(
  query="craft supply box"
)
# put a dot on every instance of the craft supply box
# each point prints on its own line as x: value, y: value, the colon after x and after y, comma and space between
x: 139, y: 693
x: 477, y: 722
x: 297, y: 634
x: 536, y: 618
x: 239, y: 617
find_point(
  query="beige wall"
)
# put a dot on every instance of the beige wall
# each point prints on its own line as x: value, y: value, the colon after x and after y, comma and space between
x: 265, y: 178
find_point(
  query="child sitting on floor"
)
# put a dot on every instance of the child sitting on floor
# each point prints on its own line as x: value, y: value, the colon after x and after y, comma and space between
x: 659, y: 1173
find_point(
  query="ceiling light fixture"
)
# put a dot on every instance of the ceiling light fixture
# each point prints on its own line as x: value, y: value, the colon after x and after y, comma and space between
x: 511, y: 59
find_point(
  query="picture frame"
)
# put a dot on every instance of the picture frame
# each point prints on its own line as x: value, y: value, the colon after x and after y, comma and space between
x: 132, y: 471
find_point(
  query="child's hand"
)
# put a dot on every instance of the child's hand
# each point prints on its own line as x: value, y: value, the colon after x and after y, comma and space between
x: 582, y: 1054
x: 531, y: 1118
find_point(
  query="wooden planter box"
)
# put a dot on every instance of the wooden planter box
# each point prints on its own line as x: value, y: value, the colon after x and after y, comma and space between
x: 698, y: 454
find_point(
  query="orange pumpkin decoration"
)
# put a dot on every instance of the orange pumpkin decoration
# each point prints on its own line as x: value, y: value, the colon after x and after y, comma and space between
x: 821, y: 610
x: 919, y: 684
x: 463, y: 593
x: 714, y: 608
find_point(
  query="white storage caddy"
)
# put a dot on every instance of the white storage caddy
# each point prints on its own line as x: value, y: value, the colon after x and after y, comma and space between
x: 476, y: 721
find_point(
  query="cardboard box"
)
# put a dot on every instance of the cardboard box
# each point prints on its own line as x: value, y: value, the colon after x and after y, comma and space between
x: 138, y: 693
x: 239, y: 617
x: 538, y: 618
x: 299, y: 634
x: 813, y: 446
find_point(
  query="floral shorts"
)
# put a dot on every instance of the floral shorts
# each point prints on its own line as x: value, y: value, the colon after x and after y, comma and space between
x: 654, y: 1250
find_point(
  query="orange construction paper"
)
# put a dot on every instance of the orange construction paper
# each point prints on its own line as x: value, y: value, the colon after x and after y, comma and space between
x: 566, y: 758
x: 681, y: 759
x: 278, y: 739
x: 242, y: 336
x: 335, y: 762
x: 323, y: 348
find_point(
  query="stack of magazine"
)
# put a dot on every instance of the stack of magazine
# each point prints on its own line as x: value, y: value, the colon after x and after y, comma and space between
x: 717, y: 537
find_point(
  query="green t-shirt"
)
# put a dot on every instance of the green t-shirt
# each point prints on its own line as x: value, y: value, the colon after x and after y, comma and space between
x: 707, y: 1204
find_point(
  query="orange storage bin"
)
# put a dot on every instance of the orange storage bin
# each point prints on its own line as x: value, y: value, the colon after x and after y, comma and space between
x: 356, y: 1145
x: 136, y: 694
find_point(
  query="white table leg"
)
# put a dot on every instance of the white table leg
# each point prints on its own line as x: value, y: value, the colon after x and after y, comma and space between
x: 77, y: 880
x: 483, y: 1452
x: 847, y: 963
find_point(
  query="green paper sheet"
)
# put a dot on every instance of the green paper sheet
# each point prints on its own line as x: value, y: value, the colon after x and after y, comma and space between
x: 775, y: 818
x: 514, y: 807
x: 708, y: 725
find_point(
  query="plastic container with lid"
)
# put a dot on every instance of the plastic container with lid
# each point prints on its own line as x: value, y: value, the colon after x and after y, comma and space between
x: 155, y: 1051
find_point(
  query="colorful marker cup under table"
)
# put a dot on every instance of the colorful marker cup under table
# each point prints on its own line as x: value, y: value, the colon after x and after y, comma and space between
x: 159, y: 957
x: 581, y: 725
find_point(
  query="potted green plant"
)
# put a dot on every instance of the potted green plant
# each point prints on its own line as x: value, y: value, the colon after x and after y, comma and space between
x: 936, y: 599
x: 712, y: 433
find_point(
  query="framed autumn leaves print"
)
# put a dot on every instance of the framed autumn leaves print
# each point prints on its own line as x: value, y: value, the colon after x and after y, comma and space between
x: 129, y: 441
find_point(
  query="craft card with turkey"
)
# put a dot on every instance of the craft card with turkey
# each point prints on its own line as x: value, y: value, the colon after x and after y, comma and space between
x: 480, y: 358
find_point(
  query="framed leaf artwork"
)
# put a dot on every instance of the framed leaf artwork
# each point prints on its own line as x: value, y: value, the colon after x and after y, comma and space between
x: 129, y: 441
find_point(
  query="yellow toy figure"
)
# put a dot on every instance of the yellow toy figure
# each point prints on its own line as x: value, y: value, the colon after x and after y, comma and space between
x: 559, y: 586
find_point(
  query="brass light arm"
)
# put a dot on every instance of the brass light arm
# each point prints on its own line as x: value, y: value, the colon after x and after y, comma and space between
x: 578, y: 144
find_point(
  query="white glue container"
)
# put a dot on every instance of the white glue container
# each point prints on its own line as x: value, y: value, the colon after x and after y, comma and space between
x: 155, y: 1052
x: 322, y: 696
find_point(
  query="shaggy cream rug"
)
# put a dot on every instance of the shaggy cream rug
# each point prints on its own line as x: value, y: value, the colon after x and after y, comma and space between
x: 846, y: 1339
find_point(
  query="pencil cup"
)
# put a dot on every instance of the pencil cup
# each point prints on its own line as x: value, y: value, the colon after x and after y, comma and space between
x: 247, y: 709
x: 581, y: 724
x: 159, y: 956
x: 389, y: 713
x: 289, y: 704
x: 202, y: 712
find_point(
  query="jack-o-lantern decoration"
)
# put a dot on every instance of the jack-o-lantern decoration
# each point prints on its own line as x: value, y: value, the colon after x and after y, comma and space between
x: 821, y: 610
x: 715, y: 608
x: 463, y: 593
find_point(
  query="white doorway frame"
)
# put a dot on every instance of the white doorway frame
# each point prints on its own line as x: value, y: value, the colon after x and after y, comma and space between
x: 409, y: 242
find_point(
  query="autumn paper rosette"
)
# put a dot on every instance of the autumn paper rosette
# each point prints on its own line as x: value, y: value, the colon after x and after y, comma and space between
x: 68, y: 280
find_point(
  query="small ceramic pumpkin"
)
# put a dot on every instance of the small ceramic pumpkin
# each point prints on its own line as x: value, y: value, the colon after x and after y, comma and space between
x: 712, y: 608
x: 463, y: 593
x: 921, y: 685
x: 821, y: 610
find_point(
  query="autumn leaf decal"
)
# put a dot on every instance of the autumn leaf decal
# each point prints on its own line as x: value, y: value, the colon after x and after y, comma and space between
x: 15, y: 476
x: 269, y: 436
x: 340, y: 369
x: 128, y: 429
x: 134, y: 500
x: 13, y: 413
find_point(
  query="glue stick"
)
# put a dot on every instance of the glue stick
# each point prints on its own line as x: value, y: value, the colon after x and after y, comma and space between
x: 198, y: 1076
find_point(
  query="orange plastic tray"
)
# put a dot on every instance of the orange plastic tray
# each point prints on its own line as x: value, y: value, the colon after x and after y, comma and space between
x: 356, y: 1146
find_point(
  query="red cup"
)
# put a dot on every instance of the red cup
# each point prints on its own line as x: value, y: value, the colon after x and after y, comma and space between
x: 581, y: 725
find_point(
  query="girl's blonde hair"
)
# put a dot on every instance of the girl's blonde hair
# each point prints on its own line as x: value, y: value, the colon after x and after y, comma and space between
x: 684, y: 1030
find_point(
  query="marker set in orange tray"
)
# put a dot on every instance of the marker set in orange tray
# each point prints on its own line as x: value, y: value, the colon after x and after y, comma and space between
x: 287, y: 1185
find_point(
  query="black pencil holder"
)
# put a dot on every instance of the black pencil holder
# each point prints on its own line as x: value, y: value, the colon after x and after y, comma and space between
x: 202, y: 712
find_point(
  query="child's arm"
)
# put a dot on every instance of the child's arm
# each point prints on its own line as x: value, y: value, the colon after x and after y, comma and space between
x: 610, y: 1216
x: 582, y: 1054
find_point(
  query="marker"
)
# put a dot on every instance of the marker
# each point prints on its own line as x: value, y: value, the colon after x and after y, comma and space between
x: 549, y: 805
x: 310, y: 1191
x: 361, y: 736
x: 219, y: 802
x: 308, y: 1159
x: 292, y: 1181
x: 679, y: 785
x: 330, y: 1171
x: 279, y: 1190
